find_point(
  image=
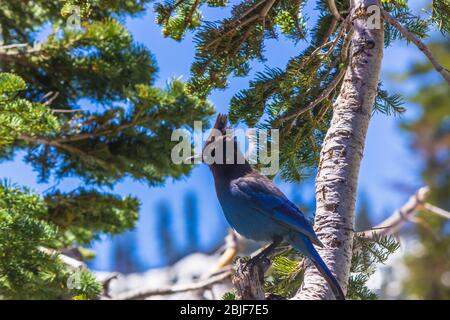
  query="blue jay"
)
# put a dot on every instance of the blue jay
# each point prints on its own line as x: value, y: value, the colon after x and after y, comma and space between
x: 257, y: 209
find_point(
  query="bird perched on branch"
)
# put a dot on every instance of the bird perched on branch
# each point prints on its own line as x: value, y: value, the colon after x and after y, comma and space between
x: 255, y: 207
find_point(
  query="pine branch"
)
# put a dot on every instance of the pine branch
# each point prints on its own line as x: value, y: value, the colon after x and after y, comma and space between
x: 17, y: 49
x: 68, y: 148
x: 422, y: 47
x: 72, y: 263
x: 323, y: 95
x: 240, y: 24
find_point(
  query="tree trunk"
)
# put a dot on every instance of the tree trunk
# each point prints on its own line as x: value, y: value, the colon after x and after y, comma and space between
x: 337, y: 177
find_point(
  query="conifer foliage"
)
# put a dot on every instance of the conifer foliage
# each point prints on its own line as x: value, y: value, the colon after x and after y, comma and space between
x: 88, y: 59
x: 297, y: 99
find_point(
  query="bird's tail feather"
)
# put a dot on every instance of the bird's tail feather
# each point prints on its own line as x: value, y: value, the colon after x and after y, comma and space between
x: 304, y: 245
x: 329, y: 277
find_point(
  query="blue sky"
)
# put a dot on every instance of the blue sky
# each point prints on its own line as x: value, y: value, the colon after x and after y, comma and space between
x: 387, y: 160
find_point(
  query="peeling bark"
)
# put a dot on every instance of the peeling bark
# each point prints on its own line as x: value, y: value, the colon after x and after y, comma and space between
x: 337, y: 177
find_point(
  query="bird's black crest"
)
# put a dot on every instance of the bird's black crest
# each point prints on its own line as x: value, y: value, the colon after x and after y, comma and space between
x: 221, y: 123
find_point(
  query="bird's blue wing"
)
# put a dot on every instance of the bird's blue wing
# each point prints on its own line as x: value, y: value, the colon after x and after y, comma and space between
x: 265, y: 197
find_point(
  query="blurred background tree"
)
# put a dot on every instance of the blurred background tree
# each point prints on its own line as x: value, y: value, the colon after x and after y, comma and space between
x: 164, y: 230
x: 192, y: 220
x: 79, y: 102
x: 429, y: 268
x: 125, y: 256
x: 363, y: 216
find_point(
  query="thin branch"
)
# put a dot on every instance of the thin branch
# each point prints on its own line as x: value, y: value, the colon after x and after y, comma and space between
x: 338, y: 36
x: 323, y: 95
x: 267, y: 8
x: 75, y: 151
x: 52, y: 97
x: 203, y: 284
x: 419, y: 44
x: 188, y: 18
x: 83, y: 136
x: 249, y: 10
x: 330, y: 31
x: 65, y: 110
x: 326, y: 92
x: 46, y: 96
x: 13, y: 46
x: 69, y: 261
x: 334, y: 10
x: 76, y: 265
x: 436, y: 210
x: 261, y: 16
x: 396, y: 221
x: 19, y: 48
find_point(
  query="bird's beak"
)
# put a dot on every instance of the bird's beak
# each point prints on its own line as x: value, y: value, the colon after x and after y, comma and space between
x: 197, y: 159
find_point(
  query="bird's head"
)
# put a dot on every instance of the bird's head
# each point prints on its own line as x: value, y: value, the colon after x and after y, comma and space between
x: 221, y: 147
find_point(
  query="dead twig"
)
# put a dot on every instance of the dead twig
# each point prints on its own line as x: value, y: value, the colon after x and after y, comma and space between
x: 436, y: 210
x: 334, y: 10
x: 202, y: 284
x: 395, y: 222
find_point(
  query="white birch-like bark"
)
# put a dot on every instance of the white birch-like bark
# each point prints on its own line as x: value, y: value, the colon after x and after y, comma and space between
x: 337, y: 177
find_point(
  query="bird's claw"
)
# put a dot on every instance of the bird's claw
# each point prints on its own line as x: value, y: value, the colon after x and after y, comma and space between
x: 249, y: 264
x: 262, y: 262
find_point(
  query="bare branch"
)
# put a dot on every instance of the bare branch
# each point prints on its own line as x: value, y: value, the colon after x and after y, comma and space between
x: 19, y: 48
x: 70, y: 262
x: 13, y: 46
x: 419, y: 44
x: 203, y: 284
x: 400, y: 217
x: 52, y: 97
x: 396, y: 221
x: 330, y: 31
x: 106, y: 282
x: 436, y: 210
x: 334, y: 10
x: 65, y: 110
